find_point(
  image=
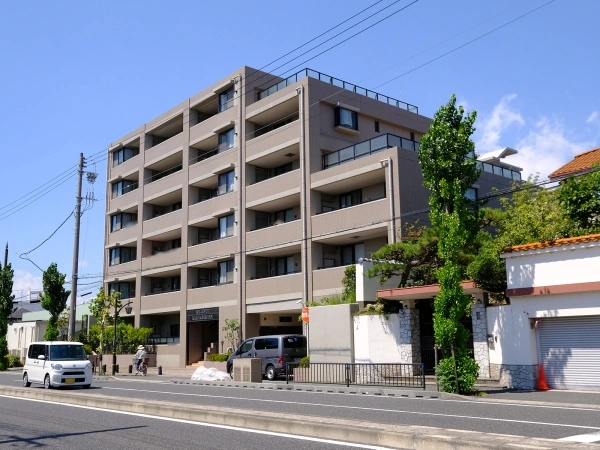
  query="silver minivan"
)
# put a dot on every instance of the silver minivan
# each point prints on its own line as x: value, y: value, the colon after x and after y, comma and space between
x: 275, y: 352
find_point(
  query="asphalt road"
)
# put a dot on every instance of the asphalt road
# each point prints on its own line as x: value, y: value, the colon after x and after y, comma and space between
x: 505, y: 418
x: 26, y: 423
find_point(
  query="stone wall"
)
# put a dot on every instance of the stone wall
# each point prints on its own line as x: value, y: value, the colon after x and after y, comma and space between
x: 515, y: 376
x: 480, y: 342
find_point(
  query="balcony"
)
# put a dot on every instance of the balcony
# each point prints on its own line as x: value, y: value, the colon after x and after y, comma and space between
x: 208, y: 251
x: 274, y: 235
x: 276, y: 286
x: 501, y: 171
x: 130, y: 232
x: 125, y: 167
x: 125, y: 268
x: 201, y: 296
x: 216, y: 122
x: 165, y: 148
x: 164, y: 259
x: 279, y: 140
x: 161, y: 300
x: 328, y: 280
x: 125, y: 201
x: 165, y: 221
x: 274, y: 190
x: 203, y: 173
x: 373, y: 215
x: 204, y: 214
x: 164, y: 186
x: 367, y: 148
x: 336, y: 82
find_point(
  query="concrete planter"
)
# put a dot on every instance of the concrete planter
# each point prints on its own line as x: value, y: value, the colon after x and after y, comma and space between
x: 222, y: 366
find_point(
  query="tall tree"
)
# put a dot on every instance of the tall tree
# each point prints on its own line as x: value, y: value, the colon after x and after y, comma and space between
x: 54, y: 298
x: 580, y: 199
x: 6, y: 309
x: 447, y: 157
x: 102, y: 308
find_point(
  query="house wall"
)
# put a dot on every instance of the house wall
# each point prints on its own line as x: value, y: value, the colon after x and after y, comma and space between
x: 331, y: 333
x: 21, y: 334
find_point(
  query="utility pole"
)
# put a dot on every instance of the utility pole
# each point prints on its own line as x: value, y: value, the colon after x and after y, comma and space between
x: 6, y: 255
x: 76, y: 249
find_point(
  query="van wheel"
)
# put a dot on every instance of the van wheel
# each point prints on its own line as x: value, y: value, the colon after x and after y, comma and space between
x: 47, y: 384
x: 26, y: 382
x: 270, y: 373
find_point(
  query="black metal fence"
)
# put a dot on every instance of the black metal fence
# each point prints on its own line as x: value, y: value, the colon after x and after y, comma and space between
x: 393, y: 375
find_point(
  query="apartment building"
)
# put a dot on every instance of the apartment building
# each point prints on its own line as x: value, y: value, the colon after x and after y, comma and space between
x: 250, y: 198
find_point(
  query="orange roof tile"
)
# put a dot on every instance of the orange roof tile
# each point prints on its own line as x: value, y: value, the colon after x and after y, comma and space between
x: 556, y: 243
x: 581, y: 163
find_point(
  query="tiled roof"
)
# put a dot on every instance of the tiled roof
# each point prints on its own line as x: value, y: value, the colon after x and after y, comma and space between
x: 581, y: 163
x: 556, y: 243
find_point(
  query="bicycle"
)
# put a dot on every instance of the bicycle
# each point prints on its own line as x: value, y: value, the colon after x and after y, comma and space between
x: 143, y: 366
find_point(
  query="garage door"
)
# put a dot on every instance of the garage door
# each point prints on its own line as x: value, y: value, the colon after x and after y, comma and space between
x: 570, y: 352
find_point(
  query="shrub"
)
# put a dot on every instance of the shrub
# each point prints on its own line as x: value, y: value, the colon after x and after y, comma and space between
x: 304, y: 362
x: 13, y: 361
x: 219, y: 357
x: 467, y: 370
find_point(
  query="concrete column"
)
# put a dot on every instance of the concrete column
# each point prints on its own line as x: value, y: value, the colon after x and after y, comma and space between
x: 480, y: 343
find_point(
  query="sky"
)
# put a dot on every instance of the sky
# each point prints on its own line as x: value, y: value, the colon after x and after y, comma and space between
x: 77, y: 75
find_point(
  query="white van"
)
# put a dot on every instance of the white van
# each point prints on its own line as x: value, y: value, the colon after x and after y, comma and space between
x: 55, y: 364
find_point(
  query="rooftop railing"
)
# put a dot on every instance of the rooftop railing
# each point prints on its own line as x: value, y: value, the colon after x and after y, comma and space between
x: 339, y: 83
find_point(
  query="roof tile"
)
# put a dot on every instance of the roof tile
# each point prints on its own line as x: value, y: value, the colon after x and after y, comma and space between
x: 556, y: 243
x: 581, y: 163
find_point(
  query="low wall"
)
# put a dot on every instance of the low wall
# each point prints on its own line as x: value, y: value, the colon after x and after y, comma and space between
x: 331, y: 333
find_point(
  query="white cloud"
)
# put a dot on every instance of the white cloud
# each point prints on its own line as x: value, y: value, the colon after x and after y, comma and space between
x: 593, y: 117
x: 546, y: 147
x: 23, y: 281
x: 491, y: 127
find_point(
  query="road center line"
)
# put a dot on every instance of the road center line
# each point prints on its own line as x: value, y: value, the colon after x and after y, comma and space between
x: 324, y: 405
x: 204, y: 424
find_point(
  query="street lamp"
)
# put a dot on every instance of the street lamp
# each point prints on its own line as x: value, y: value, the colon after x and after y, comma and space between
x: 128, y: 309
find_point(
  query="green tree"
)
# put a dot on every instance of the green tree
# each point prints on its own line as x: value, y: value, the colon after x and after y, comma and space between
x: 449, y: 169
x: 54, y: 298
x: 6, y: 309
x: 62, y: 323
x: 349, y: 284
x: 102, y: 308
x: 580, y: 198
x: 232, y: 329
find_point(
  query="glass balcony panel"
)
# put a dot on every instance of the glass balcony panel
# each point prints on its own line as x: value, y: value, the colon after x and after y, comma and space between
x: 336, y: 82
x: 488, y: 168
x: 363, y: 148
x: 516, y: 175
x: 372, y: 94
x: 393, y: 141
x: 378, y: 143
x: 331, y: 159
x: 507, y: 173
x: 497, y: 170
x: 346, y: 153
x: 408, y: 144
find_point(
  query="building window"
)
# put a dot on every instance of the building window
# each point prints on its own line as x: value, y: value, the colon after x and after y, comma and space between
x: 121, y: 255
x: 226, y: 139
x: 287, y: 215
x: 175, y: 283
x: 226, y: 99
x: 282, y: 169
x: 376, y: 127
x: 226, y: 272
x: 285, y: 265
x: 127, y: 290
x: 176, y: 243
x: 226, y: 182
x: 225, y: 226
x: 124, y: 154
x: 345, y: 118
x: 351, y: 253
x: 352, y: 198
x: 176, y: 206
x: 122, y: 220
x: 471, y: 194
x: 262, y: 219
x: 122, y: 187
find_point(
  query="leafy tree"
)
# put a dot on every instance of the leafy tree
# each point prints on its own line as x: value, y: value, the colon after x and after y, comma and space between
x: 449, y: 169
x: 62, y: 323
x: 54, y: 298
x: 231, y: 329
x: 102, y: 308
x: 580, y: 199
x: 349, y: 284
x: 6, y: 309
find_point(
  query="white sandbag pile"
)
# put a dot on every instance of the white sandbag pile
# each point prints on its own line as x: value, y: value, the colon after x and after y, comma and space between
x: 212, y: 374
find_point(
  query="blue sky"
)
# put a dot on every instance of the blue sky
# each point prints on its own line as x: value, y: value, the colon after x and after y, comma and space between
x: 77, y: 76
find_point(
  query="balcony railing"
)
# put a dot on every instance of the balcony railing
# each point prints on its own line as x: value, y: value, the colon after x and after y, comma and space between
x: 368, y: 147
x: 275, y: 223
x: 497, y: 170
x: 209, y: 283
x: 222, y: 148
x: 271, y: 275
x: 339, y: 83
x: 159, y: 290
x: 326, y: 209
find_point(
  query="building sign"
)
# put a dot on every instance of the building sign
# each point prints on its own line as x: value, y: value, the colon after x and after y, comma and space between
x: 202, y: 315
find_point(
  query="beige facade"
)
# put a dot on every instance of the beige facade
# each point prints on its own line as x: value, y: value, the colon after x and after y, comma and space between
x: 249, y: 199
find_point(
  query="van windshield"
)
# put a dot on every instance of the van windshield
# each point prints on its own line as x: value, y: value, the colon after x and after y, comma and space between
x: 67, y: 353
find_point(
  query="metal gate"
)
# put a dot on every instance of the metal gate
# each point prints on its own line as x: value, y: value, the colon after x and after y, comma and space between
x: 570, y: 352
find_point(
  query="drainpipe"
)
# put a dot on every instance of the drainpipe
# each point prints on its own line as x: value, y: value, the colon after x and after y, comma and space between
x: 240, y: 230
x: 304, y: 245
x: 388, y: 161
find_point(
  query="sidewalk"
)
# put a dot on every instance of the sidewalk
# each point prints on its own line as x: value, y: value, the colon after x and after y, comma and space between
x: 579, y: 398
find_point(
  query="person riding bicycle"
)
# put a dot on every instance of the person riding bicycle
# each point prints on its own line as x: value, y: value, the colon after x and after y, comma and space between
x: 139, y: 357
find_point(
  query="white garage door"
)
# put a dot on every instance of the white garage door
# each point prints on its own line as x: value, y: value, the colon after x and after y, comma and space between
x: 570, y: 351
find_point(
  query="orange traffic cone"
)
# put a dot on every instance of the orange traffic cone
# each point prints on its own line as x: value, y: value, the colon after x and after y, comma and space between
x: 541, y: 384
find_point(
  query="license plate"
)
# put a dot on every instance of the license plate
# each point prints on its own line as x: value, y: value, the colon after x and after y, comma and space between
x: 69, y: 380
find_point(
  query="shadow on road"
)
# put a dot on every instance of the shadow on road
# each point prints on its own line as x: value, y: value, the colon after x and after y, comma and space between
x: 33, y: 441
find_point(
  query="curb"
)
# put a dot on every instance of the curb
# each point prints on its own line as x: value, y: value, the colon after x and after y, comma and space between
x: 327, y: 388
x: 392, y: 436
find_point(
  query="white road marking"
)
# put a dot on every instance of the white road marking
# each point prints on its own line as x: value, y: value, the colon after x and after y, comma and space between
x: 458, y: 416
x: 585, y: 438
x: 211, y: 425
